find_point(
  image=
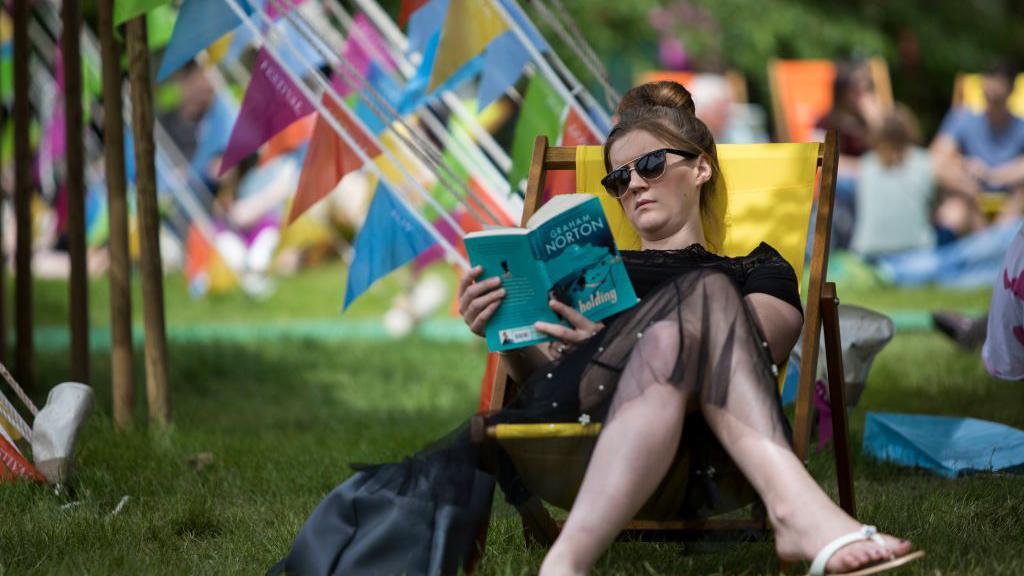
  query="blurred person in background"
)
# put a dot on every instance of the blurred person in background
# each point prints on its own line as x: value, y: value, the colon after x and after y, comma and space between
x: 895, y: 190
x: 730, y: 122
x: 980, y: 152
x: 856, y: 114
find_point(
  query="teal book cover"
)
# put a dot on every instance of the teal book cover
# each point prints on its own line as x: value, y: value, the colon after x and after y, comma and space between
x: 566, y: 252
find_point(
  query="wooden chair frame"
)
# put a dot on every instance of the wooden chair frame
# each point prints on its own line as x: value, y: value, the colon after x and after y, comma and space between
x: 821, y: 310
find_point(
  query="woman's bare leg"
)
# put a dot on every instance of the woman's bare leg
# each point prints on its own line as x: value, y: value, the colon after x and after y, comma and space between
x: 630, y: 459
x: 804, y: 518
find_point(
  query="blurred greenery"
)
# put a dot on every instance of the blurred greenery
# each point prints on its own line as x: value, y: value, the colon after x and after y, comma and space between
x: 924, y: 42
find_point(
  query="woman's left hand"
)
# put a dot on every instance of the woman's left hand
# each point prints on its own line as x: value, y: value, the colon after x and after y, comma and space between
x: 566, y: 337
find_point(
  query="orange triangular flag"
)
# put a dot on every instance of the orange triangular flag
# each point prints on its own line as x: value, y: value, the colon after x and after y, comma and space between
x: 329, y: 158
x: 469, y: 27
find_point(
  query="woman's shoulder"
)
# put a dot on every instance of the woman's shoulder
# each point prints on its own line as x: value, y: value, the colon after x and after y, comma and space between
x: 763, y: 255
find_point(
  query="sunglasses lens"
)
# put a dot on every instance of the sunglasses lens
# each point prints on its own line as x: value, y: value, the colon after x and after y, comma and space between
x: 651, y: 165
x: 617, y: 181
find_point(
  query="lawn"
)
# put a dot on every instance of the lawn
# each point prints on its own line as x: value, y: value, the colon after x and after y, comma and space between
x: 283, y: 416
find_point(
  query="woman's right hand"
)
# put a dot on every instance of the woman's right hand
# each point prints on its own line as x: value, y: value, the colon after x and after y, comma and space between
x: 479, y: 300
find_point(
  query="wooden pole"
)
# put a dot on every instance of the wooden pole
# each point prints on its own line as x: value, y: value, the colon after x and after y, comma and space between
x: 22, y: 198
x: 3, y: 257
x: 70, y: 38
x: 149, y: 221
x: 123, y: 388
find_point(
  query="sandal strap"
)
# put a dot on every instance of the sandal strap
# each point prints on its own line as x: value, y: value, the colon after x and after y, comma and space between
x: 865, y: 533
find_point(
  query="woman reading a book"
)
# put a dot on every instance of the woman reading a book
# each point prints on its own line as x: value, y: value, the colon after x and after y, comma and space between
x: 683, y: 384
x: 690, y: 370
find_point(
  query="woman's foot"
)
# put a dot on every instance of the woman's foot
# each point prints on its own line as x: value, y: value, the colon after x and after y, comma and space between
x: 802, y: 532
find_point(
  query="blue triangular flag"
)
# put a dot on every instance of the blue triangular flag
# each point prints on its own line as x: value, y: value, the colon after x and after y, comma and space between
x: 386, y: 86
x: 390, y: 237
x: 425, y: 22
x: 240, y: 40
x: 503, y: 64
x: 199, y: 24
x: 310, y: 56
x: 526, y: 25
x: 415, y: 91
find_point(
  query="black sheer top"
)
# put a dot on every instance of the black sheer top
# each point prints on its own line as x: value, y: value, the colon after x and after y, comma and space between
x: 763, y: 271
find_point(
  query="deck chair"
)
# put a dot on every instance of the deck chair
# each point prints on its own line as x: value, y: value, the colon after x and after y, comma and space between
x: 762, y: 180
x: 967, y: 94
x: 801, y: 93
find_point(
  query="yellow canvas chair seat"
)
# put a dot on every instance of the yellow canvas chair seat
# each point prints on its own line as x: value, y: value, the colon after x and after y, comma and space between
x: 771, y: 189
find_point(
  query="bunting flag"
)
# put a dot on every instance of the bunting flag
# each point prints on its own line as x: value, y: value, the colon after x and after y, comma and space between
x: 469, y: 27
x: 425, y: 22
x: 540, y: 114
x: 125, y: 10
x: 329, y: 159
x: 390, y: 237
x: 271, y: 103
x: 406, y: 10
x: 365, y: 45
x: 524, y: 24
x: 308, y: 55
x: 415, y: 92
x: 200, y: 23
x: 386, y: 87
x: 454, y: 237
x: 274, y: 13
x: 574, y: 133
x: 503, y: 64
x: 13, y: 465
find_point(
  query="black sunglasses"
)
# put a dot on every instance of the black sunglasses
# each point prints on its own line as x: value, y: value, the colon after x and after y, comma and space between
x: 650, y: 167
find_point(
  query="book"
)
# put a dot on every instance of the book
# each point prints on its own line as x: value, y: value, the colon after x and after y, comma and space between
x: 567, y: 252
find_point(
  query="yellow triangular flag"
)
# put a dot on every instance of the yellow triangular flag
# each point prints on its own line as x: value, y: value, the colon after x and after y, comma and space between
x: 469, y: 27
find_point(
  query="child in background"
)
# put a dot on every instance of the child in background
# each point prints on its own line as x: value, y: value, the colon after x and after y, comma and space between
x: 895, y: 191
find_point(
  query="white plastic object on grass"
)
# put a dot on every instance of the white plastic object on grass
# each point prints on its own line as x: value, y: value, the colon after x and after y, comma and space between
x: 428, y: 295
x: 56, y: 427
x: 398, y: 322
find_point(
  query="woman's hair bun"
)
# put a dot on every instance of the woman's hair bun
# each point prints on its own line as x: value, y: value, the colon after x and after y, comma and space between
x: 665, y: 93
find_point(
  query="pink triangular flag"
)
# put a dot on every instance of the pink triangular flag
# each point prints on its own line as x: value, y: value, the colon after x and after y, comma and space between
x: 272, y: 102
x: 363, y: 46
x: 286, y: 5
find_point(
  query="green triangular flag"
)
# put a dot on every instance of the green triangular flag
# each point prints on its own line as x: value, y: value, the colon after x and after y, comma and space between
x: 125, y: 10
x: 540, y: 114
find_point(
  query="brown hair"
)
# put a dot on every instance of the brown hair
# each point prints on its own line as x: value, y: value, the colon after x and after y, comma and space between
x: 898, y: 131
x: 666, y: 111
x: 664, y: 93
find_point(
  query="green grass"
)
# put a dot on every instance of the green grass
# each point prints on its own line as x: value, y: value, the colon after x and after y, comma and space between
x: 284, y: 418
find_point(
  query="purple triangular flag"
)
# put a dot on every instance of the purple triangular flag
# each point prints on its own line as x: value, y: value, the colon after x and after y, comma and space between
x: 272, y: 102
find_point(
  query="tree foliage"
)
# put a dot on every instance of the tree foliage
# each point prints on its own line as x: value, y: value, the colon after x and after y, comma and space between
x: 925, y: 42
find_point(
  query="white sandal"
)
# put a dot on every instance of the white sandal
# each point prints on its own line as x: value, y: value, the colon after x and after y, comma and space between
x: 865, y: 533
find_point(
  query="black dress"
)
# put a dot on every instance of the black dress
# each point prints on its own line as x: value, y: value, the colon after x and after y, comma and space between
x: 692, y: 329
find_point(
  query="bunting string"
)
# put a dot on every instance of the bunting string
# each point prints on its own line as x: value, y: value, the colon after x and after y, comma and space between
x: 422, y: 148
x: 450, y: 101
x: 548, y: 72
x: 566, y: 29
x: 333, y: 122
